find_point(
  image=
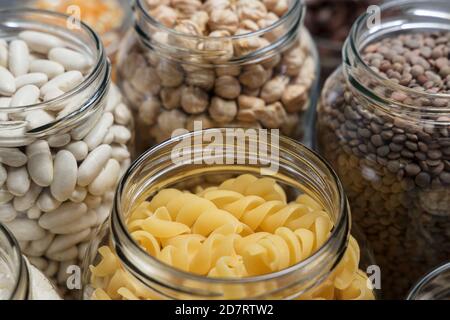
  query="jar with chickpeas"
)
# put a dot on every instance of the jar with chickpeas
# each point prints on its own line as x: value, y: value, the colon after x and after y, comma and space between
x: 383, y: 122
x: 218, y: 63
x: 64, y: 136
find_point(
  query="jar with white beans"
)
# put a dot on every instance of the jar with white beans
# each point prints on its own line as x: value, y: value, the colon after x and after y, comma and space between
x: 19, y: 280
x: 64, y: 136
x: 201, y: 64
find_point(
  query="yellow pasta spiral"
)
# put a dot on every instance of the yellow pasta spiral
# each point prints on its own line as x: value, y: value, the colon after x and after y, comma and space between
x: 243, y: 227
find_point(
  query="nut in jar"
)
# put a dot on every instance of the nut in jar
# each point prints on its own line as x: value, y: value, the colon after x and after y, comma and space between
x: 227, y: 63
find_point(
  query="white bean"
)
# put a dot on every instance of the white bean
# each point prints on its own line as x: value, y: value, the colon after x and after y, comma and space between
x: 26, y: 230
x: 38, y: 262
x: 34, y: 212
x: 103, y: 213
x: 3, y: 56
x: 109, y: 138
x: 51, y: 269
x: 40, y: 42
x: 114, y: 98
x: 65, y: 175
x: 107, y: 179
x: 78, y: 195
x: 18, y: 181
x: 38, y: 118
x: 40, y: 163
x: 46, y: 202
x: 82, y: 250
x: 7, y: 212
x: 70, y: 59
x: 7, y: 82
x: 5, y: 196
x: 51, y: 94
x: 122, y: 115
x: 28, y: 200
x: 121, y: 134
x: 3, y: 175
x: 98, y: 133
x: 12, y: 157
x: 25, y: 96
x: 59, y: 141
x: 93, y: 164
x: 93, y: 202
x: 79, y: 150
x: 120, y: 153
x: 86, y: 221
x: 19, y: 61
x: 50, y: 68
x: 65, y: 214
x: 65, y: 255
x: 5, y: 102
x: 63, y: 242
x: 37, y: 79
x: 64, y: 82
x: 41, y: 245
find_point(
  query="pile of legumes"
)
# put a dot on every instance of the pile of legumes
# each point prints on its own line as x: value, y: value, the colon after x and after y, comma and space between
x: 393, y: 154
x: 244, y: 227
x: 246, y: 63
x: 63, y: 141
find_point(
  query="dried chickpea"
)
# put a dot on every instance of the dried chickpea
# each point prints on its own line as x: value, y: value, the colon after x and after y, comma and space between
x: 165, y: 15
x: 272, y: 116
x: 171, y: 98
x: 294, y: 97
x: 253, y: 76
x: 223, y: 20
x: 273, y: 89
x: 149, y: 110
x: 170, y: 74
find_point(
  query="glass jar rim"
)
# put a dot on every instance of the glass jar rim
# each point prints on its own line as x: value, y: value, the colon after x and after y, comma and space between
x: 337, y: 239
x: 19, y: 262
x: 297, y: 5
x: 412, y: 295
x: 93, y: 74
x: 352, y: 51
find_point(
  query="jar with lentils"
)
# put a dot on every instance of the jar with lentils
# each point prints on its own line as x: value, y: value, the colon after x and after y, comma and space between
x: 218, y: 63
x: 383, y: 122
x: 63, y: 137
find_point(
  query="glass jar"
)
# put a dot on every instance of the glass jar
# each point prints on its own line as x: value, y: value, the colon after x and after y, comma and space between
x: 262, y: 79
x: 434, y: 286
x: 390, y: 146
x: 300, y: 172
x: 18, y: 279
x: 58, y: 176
x: 329, y: 22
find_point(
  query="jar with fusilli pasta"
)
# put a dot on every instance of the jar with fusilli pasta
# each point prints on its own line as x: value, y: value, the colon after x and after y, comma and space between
x: 209, y: 227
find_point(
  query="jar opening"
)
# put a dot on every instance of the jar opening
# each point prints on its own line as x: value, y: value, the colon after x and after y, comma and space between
x: 189, y: 47
x: 396, y: 17
x: 80, y: 36
x: 300, y: 168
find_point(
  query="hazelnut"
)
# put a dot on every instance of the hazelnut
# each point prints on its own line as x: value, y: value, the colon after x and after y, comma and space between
x: 194, y: 100
x: 206, y: 121
x: 279, y: 7
x: 251, y: 9
x: 249, y: 102
x: 219, y: 50
x: 227, y: 87
x: 186, y: 8
x: 223, y: 20
x: 149, y: 110
x: 222, y: 111
x: 253, y: 76
x: 170, y: 74
x: 171, y: 98
x: 146, y: 81
x: 165, y: 15
x: 211, y: 5
x: 274, y: 88
x: 294, y: 97
x: 202, y: 77
x: 272, y: 116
